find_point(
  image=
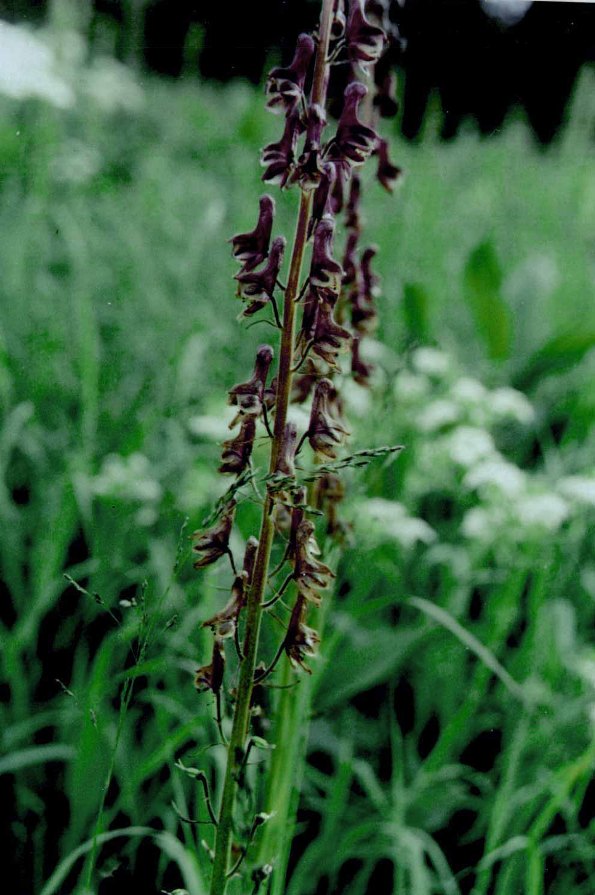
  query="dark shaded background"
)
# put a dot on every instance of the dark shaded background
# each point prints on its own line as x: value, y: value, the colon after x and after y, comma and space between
x: 479, y: 67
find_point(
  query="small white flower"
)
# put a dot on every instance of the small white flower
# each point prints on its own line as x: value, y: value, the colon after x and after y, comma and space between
x: 467, y: 445
x: 469, y: 391
x: 496, y: 472
x: 438, y: 414
x: 393, y: 521
x: 430, y: 361
x: 547, y: 511
x: 410, y: 387
x: 128, y: 478
x: 509, y: 403
x: 578, y: 488
x: 28, y: 68
x: 482, y: 524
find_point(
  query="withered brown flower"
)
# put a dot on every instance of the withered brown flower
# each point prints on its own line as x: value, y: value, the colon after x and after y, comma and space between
x: 311, y: 575
x: 301, y: 641
x: 325, y: 431
x: 224, y: 623
x: 248, y: 396
x: 210, y: 677
x: 214, y: 543
x: 237, y: 451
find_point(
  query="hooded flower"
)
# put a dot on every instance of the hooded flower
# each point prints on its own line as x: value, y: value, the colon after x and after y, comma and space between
x: 363, y: 312
x: 309, y: 170
x: 210, y: 677
x: 257, y: 286
x: 352, y: 221
x: 285, y: 86
x: 354, y: 141
x: 237, y: 451
x: 278, y: 158
x: 250, y: 249
x: 360, y: 370
x: 214, y: 542
x: 339, y: 20
x: 325, y: 431
x: 329, y: 338
x: 248, y: 396
x: 224, y: 623
x: 285, y: 461
x: 311, y: 575
x: 387, y: 174
x: 365, y: 42
x: 324, y: 202
x: 325, y: 272
x: 300, y: 640
x: 385, y: 99
x: 250, y: 558
x: 350, y: 261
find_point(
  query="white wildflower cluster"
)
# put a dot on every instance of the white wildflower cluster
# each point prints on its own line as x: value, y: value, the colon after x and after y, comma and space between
x: 382, y: 519
x: 51, y: 66
x: 129, y: 479
x: 452, y: 423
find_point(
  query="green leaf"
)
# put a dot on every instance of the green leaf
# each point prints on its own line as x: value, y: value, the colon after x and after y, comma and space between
x: 482, y: 289
x: 33, y: 755
x: 558, y: 355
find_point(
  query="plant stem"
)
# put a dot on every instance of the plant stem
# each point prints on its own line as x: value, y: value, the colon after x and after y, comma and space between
x: 241, y: 718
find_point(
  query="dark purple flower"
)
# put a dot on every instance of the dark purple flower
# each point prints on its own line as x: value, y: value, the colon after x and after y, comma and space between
x: 278, y: 158
x: 300, y: 641
x: 360, y: 370
x: 329, y: 337
x: 370, y: 280
x: 248, y: 396
x: 284, y: 86
x: 354, y: 141
x: 214, y: 542
x: 365, y: 42
x: 303, y: 384
x: 325, y: 431
x: 350, y: 261
x: 309, y: 170
x: 257, y: 286
x: 237, y: 451
x: 210, y: 677
x: 324, y: 202
x: 352, y: 216
x: 339, y: 20
x: 310, y: 306
x: 385, y: 99
x: 250, y: 249
x: 325, y: 272
x: 388, y: 174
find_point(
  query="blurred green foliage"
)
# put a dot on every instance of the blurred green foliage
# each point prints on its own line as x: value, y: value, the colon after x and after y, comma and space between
x: 453, y: 740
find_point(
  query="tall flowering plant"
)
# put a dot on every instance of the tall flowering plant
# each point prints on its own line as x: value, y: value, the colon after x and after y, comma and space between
x: 323, y: 319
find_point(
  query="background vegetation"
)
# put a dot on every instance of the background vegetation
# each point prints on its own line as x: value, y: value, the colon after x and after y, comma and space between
x: 453, y: 740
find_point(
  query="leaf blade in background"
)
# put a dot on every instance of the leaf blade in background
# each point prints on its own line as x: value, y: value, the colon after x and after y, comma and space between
x: 482, y: 282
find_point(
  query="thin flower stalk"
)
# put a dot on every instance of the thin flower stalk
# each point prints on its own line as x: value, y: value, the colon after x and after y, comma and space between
x: 326, y: 316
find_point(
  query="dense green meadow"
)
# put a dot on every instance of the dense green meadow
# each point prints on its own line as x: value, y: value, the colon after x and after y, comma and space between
x: 453, y: 734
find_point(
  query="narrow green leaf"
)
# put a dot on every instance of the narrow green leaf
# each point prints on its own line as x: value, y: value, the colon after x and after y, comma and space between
x: 482, y: 289
x: 33, y: 755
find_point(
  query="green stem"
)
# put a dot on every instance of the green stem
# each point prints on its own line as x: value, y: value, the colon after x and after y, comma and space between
x: 241, y: 716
